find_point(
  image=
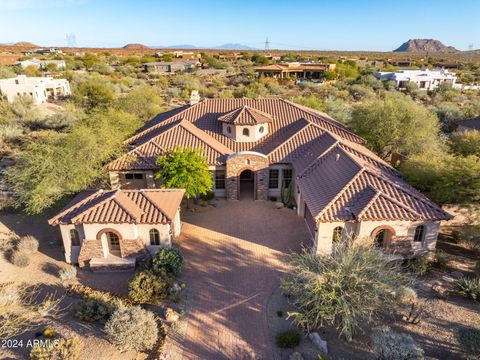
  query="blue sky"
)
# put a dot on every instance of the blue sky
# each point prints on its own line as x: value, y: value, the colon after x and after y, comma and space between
x: 307, y: 24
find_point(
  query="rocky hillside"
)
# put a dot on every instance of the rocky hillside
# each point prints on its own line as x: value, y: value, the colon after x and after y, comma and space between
x: 135, y: 47
x: 425, y: 45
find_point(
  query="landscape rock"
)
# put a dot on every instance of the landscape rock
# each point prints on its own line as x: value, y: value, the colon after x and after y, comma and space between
x: 319, y: 342
x: 279, y: 205
x: 440, y: 290
x: 295, y: 356
x: 171, y: 315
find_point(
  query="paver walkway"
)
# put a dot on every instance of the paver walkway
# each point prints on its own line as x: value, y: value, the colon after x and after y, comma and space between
x: 234, y: 259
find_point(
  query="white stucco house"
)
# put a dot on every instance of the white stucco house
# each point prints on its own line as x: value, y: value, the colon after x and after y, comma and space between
x: 425, y: 79
x: 40, y: 89
x: 275, y: 149
x: 104, y: 228
x: 42, y: 64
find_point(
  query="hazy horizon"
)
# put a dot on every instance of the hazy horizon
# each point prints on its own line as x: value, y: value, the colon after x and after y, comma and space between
x: 314, y: 25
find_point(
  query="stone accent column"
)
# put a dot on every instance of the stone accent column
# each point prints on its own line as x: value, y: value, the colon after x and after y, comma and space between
x: 114, y: 179
x: 247, y: 160
x: 150, y: 179
x: 90, y: 249
x: 134, y: 248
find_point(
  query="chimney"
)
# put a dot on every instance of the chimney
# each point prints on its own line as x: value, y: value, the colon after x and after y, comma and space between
x: 194, y: 97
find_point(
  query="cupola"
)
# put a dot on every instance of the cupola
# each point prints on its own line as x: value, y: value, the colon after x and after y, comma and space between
x: 245, y: 124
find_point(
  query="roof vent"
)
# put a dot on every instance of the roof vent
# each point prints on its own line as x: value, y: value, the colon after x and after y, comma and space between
x: 337, y: 157
x: 194, y: 97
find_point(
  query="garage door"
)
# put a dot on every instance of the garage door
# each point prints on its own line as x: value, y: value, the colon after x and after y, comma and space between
x: 310, y: 221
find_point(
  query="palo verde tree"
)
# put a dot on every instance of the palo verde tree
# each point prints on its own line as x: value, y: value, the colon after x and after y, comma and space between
x: 185, y: 168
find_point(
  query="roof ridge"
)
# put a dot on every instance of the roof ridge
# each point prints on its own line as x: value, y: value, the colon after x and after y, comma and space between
x: 149, y: 199
x: 367, y: 206
x: 111, y: 195
x: 396, y: 202
x: 331, y: 121
x: 304, y: 128
x: 119, y: 203
x: 209, y: 140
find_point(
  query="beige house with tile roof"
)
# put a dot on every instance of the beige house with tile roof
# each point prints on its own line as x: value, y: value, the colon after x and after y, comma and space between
x: 104, y: 228
x: 273, y: 148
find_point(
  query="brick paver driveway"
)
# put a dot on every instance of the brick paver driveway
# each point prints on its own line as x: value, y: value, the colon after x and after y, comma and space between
x: 234, y: 259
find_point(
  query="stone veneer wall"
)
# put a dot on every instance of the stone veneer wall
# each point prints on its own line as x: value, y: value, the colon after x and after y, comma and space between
x: 238, y: 162
x: 90, y: 249
x: 134, y: 248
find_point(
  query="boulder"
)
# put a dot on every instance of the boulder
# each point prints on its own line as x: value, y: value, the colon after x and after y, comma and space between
x: 319, y: 342
x: 440, y: 291
x: 279, y: 205
x: 295, y: 356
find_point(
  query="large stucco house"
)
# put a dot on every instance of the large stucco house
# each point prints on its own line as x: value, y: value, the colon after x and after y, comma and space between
x: 273, y: 148
x: 118, y: 228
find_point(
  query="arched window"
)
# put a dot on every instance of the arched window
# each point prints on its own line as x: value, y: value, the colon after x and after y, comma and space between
x: 337, y: 234
x: 154, y: 237
x: 74, y: 238
x: 261, y: 130
x: 229, y: 129
x: 380, y: 238
x: 246, y: 132
x: 113, y: 240
x: 419, y: 233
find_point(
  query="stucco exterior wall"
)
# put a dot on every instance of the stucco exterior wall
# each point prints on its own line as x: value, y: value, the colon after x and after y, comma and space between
x: 402, y: 240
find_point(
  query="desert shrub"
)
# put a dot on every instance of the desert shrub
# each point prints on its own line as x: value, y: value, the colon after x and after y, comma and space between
x: 469, y: 339
x: 288, y: 339
x: 96, y: 305
x: 469, y: 287
x: 406, y: 295
x: 23, y: 309
x: 63, y: 349
x: 132, y: 328
x: 28, y: 244
x: 68, y: 273
x: 20, y: 258
x: 147, y: 286
x: 441, y: 260
x: 209, y: 195
x: 388, y: 345
x: 168, y: 260
x: 330, y: 289
x: 420, y: 266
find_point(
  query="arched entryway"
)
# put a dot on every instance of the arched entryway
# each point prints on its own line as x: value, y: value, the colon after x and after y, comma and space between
x: 247, y: 185
x: 111, y: 239
x: 382, y: 236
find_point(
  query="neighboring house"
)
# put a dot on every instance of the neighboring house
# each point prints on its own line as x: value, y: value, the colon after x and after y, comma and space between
x: 468, y: 124
x: 42, y: 64
x: 103, y: 228
x: 184, y: 54
x: 163, y: 67
x: 42, y: 51
x: 307, y: 70
x: 39, y: 88
x: 273, y: 148
x: 425, y: 79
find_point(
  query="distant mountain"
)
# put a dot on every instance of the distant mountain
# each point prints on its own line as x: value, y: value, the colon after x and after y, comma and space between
x: 183, y: 46
x: 232, y: 46
x: 135, y: 47
x: 425, y: 45
x: 25, y: 44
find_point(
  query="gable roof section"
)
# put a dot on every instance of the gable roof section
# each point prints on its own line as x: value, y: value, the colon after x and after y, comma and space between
x: 182, y: 133
x: 149, y: 206
x: 245, y: 115
x: 364, y: 193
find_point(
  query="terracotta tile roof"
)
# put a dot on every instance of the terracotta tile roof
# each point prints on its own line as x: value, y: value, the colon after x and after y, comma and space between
x: 245, y: 115
x: 470, y: 123
x: 149, y: 206
x: 341, y: 179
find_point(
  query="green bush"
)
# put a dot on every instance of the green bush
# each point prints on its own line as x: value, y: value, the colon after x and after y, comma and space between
x: 96, y: 305
x: 330, y: 289
x: 388, y: 345
x: 20, y: 258
x: 27, y: 244
x: 469, y: 339
x: 132, y: 328
x: 147, y: 286
x: 209, y: 195
x: 288, y: 339
x: 441, y: 260
x: 168, y: 260
x: 420, y: 266
x: 63, y: 349
x: 469, y: 287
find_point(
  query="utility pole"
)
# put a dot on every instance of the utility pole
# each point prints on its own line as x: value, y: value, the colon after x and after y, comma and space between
x: 71, y: 42
x: 267, y: 45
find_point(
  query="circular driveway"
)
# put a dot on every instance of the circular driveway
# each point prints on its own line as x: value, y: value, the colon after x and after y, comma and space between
x: 234, y: 258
